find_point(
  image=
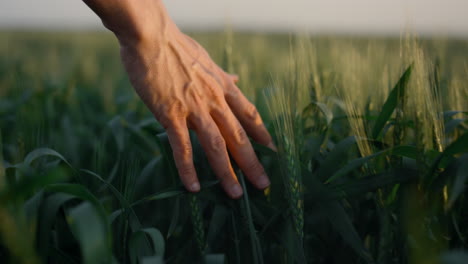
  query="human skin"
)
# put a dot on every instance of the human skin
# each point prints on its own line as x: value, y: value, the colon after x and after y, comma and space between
x: 184, y: 89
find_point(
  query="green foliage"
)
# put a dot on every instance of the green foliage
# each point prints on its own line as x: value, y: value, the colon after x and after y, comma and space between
x: 396, y: 95
x: 87, y: 175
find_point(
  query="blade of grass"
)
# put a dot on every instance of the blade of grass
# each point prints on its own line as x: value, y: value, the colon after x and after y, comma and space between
x: 218, y: 220
x: 47, y: 218
x: 81, y: 192
x: 255, y: 244
x: 458, y: 146
x: 174, y: 218
x: 90, y: 231
x: 460, y: 180
x: 27, y: 185
x: 133, y: 219
x: 41, y: 152
x: 396, y: 95
x: 405, y: 151
x: 342, y: 224
x: 152, y: 260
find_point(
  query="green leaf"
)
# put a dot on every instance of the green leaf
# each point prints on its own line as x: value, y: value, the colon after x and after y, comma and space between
x: 450, y: 114
x: 26, y: 185
x: 174, y: 218
x: 460, y: 180
x: 451, y: 125
x: 407, y: 151
x: 90, y: 231
x: 133, y: 219
x: 217, y: 222
x: 454, y: 257
x: 342, y: 224
x: 41, y: 152
x: 163, y: 143
x: 396, y: 95
x: 47, y: 217
x: 368, y: 184
x: 157, y: 239
x: 138, y: 252
x: 458, y: 146
x: 32, y: 206
x: 115, y: 214
x: 116, y: 129
x: 82, y: 193
x: 254, y: 242
x: 292, y: 243
x: 335, y: 157
x: 147, y: 141
x: 214, y: 259
x: 173, y: 192
x: 308, y: 111
x: 263, y: 149
x: 152, y: 260
x: 169, y: 193
x: 326, y: 112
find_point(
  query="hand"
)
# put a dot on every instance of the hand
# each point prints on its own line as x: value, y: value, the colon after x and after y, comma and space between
x: 185, y: 89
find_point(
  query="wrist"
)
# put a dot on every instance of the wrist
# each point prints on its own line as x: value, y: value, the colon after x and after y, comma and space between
x: 149, y: 44
x: 134, y: 22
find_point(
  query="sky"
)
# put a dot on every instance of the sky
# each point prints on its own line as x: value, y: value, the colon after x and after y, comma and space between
x: 446, y: 17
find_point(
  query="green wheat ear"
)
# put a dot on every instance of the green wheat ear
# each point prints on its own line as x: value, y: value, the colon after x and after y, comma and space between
x: 282, y: 104
x: 423, y: 102
x: 197, y: 223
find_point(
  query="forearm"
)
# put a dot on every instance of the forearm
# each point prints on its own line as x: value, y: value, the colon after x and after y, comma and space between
x: 134, y: 21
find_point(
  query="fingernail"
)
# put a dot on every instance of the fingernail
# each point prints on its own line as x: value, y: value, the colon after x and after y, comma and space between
x: 195, y: 187
x: 272, y: 146
x: 263, y: 182
x: 236, y: 191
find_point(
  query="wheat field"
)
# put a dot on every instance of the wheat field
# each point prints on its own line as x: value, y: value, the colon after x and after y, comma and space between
x: 371, y: 167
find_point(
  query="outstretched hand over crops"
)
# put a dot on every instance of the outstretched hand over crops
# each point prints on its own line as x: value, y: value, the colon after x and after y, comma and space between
x: 185, y: 89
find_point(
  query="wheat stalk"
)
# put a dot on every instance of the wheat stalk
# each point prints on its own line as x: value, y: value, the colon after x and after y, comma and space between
x: 282, y: 103
x: 197, y: 222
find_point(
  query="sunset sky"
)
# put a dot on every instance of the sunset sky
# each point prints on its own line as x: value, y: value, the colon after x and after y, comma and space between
x: 448, y: 17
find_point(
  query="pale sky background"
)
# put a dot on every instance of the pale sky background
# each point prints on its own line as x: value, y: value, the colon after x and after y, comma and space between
x: 446, y: 17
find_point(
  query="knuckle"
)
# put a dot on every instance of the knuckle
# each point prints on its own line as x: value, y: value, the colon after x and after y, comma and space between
x: 217, y: 98
x: 232, y: 91
x: 240, y: 137
x: 220, y: 109
x: 217, y: 143
x: 174, y: 111
x: 251, y: 112
x: 254, y: 167
x: 195, y: 96
x: 184, y: 150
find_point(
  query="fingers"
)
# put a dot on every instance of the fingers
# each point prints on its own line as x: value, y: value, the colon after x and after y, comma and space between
x: 248, y: 116
x: 240, y: 148
x: 215, y: 148
x: 234, y: 77
x: 182, y: 150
